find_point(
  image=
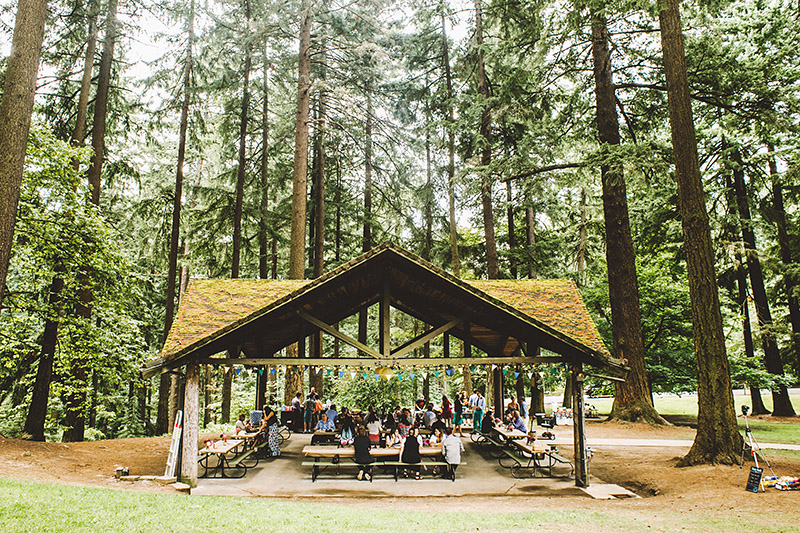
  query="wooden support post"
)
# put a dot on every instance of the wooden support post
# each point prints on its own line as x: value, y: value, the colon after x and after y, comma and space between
x: 446, y: 345
x: 579, y: 428
x: 384, y: 332
x: 261, y: 387
x: 191, y: 423
x: 497, y: 390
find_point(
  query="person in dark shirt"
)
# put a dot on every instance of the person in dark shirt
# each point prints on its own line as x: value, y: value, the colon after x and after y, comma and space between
x: 409, y: 452
x: 487, y: 424
x: 364, y: 459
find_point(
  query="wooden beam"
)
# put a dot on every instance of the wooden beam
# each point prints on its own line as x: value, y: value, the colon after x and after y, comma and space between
x: 426, y: 337
x: 338, y: 334
x: 364, y: 361
x: 446, y: 345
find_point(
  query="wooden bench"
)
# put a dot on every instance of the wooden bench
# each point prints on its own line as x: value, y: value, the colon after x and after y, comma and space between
x: 535, y: 458
x: 319, y: 466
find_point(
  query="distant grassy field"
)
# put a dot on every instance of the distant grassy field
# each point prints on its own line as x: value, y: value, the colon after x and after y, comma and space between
x: 39, y: 507
x: 685, y: 409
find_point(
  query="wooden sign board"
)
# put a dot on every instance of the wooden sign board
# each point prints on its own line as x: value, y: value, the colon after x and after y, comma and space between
x: 754, y: 479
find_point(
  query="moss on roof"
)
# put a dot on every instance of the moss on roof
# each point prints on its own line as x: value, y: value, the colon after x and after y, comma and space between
x: 212, y: 305
x: 555, y: 302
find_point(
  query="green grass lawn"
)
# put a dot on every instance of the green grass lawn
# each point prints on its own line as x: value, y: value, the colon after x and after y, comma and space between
x: 26, y: 506
x: 684, y: 410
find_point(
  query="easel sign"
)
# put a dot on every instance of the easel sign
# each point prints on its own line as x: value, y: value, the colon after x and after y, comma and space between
x: 754, y: 479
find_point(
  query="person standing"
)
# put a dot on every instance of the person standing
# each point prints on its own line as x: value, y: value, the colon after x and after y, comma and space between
x: 297, y: 412
x: 477, y: 411
x: 269, y: 425
x: 451, y: 450
x: 458, y: 412
x: 447, y: 411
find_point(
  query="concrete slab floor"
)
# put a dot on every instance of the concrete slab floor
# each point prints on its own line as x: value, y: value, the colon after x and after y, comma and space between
x: 481, y: 475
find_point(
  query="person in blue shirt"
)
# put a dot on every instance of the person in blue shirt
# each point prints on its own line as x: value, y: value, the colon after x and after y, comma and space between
x: 332, y: 414
x: 325, y: 424
x: 518, y: 422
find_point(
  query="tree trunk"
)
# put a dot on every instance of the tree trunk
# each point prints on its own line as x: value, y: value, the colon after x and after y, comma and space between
x: 512, y: 238
x: 366, y: 243
x: 263, y: 268
x: 537, y: 395
x: 530, y: 238
x: 717, y: 439
x: 75, y: 416
x: 566, y: 401
x: 162, y: 418
x: 582, y: 236
x: 319, y: 176
x: 451, y: 151
x: 16, y: 108
x: 207, y: 396
x: 632, y: 400
x: 297, y: 247
x: 492, y: 267
x: 781, y: 403
x: 790, y: 278
x: 37, y: 413
x: 427, y: 200
x: 240, y: 172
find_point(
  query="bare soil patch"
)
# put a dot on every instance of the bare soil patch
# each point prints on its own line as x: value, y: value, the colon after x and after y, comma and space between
x: 648, y: 471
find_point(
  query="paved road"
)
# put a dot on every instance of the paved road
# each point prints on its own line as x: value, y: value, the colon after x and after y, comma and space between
x: 665, y: 443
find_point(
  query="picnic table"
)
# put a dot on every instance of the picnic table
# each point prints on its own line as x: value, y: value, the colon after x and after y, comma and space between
x: 228, y: 455
x: 507, y: 435
x: 325, y: 456
x: 535, y: 457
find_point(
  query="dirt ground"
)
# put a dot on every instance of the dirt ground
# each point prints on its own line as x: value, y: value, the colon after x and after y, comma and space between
x: 648, y: 471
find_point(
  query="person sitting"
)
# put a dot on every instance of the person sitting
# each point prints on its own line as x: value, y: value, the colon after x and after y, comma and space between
x: 487, y: 424
x: 404, y: 425
x: 361, y: 445
x: 511, y: 407
x: 240, y: 426
x: 436, y: 438
x: 374, y: 427
x: 430, y: 417
x: 393, y: 438
x: 332, y: 414
x: 325, y: 424
x: 451, y: 450
x: 518, y: 423
x: 409, y: 452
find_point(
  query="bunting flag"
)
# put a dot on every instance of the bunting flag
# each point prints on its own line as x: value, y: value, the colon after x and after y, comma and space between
x: 516, y: 375
x: 530, y: 375
x: 472, y: 367
x: 505, y: 371
x: 216, y: 367
x: 352, y: 374
x: 227, y: 370
x: 238, y: 370
x: 436, y: 373
x: 341, y: 373
x: 400, y: 377
x: 425, y: 374
x: 411, y: 375
x: 483, y: 367
x: 305, y: 368
x: 377, y: 377
x: 260, y: 371
x: 272, y: 370
x: 364, y: 376
x: 494, y: 366
x: 449, y: 371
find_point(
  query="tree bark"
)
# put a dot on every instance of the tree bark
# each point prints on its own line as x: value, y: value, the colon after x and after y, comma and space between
x: 512, y: 238
x: 263, y: 257
x: 75, y: 417
x: 16, y: 108
x: 790, y: 279
x: 717, y: 439
x: 492, y: 266
x: 366, y: 243
x: 297, y: 247
x: 632, y: 400
x: 451, y: 151
x: 163, y: 421
x: 582, y: 236
x: 781, y: 403
x: 240, y: 171
x: 319, y: 175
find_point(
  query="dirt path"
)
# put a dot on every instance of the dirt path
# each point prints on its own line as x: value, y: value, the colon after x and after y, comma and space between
x: 647, y: 470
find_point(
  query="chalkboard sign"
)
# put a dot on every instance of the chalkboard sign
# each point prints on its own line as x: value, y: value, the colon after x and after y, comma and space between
x: 754, y: 479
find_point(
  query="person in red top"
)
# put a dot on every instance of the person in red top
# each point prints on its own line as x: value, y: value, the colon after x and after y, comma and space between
x: 447, y: 411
